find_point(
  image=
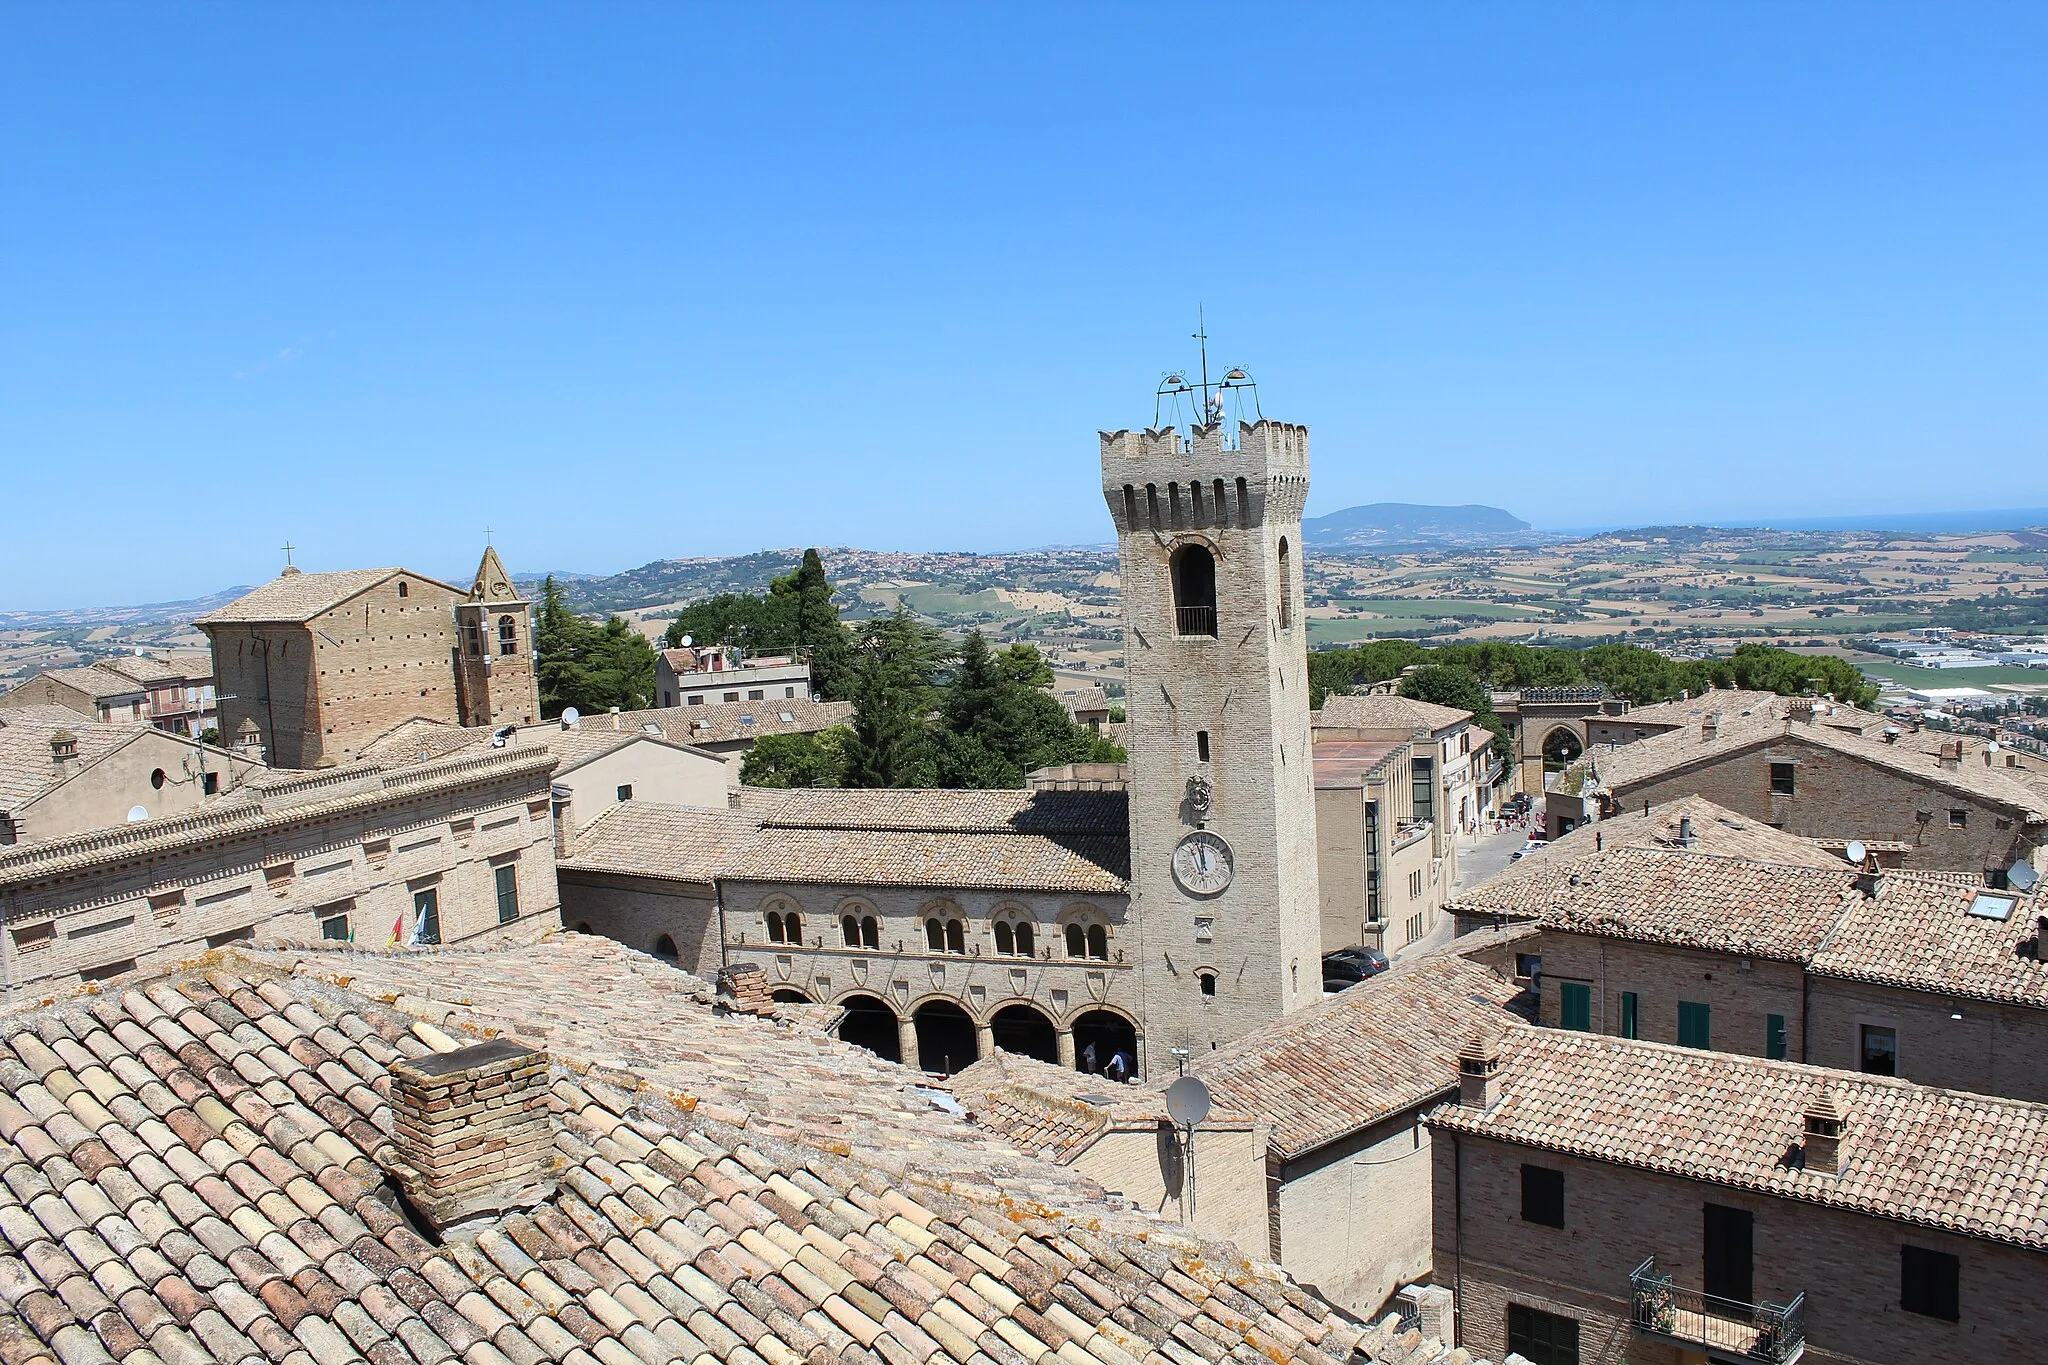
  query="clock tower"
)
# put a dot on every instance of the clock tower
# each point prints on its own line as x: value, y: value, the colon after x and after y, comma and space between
x: 1223, y: 903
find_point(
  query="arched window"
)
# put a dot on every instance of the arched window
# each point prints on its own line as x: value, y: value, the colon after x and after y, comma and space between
x: 508, y: 636
x: 1286, y: 588
x: 665, y: 948
x: 935, y: 935
x: 956, y: 936
x: 1207, y: 981
x: 870, y: 932
x: 1077, y: 941
x: 403, y: 591
x: 849, y: 929
x: 785, y: 927
x: 1098, y: 942
x: 1194, y: 591
x: 1015, y: 933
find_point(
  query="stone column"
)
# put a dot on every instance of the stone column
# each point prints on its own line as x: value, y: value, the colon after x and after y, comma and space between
x: 984, y: 1041
x: 1065, y: 1039
x: 906, y: 1039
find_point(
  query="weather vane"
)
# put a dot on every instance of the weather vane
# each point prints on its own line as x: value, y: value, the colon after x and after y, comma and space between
x: 1208, y: 399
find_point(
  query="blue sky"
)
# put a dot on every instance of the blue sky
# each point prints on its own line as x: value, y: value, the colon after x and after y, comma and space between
x: 626, y: 283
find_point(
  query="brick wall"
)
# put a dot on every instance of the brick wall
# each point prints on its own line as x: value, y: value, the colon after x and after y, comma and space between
x: 639, y: 911
x: 382, y: 659
x: 1842, y: 797
x: 154, y: 909
x: 1846, y: 1264
x: 1355, y: 1215
x: 906, y: 977
x: 1991, y: 1049
x: 1740, y: 999
x: 1230, y: 1177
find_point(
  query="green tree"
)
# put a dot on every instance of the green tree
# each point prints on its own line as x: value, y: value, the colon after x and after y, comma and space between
x: 899, y: 663
x: 588, y: 666
x: 797, y: 614
x: 998, y: 722
x: 814, y: 760
x: 1447, y: 685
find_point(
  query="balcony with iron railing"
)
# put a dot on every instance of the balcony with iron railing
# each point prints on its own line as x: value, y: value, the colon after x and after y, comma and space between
x: 1726, y: 1329
x: 1195, y: 621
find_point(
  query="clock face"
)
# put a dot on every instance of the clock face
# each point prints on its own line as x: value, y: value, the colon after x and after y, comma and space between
x: 1201, y: 864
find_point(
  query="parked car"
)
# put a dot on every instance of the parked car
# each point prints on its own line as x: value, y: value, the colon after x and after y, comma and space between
x: 1349, y: 966
x: 1526, y: 849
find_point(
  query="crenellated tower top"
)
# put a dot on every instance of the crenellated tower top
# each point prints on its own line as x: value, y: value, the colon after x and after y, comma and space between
x: 1147, y: 476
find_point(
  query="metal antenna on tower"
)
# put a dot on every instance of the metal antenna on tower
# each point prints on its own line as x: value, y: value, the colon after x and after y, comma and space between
x: 1208, y: 396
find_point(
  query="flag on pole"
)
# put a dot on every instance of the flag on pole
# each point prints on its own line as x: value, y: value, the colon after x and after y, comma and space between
x: 397, y: 927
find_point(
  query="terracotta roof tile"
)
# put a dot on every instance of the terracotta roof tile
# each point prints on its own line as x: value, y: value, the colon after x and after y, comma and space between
x: 300, y: 596
x: 731, y: 1191
x: 1384, y: 711
x: 1968, y: 1164
x: 728, y: 722
x: 1384, y: 1045
x: 649, y: 839
x: 1918, y: 932
x: 1715, y: 829
x: 1676, y: 897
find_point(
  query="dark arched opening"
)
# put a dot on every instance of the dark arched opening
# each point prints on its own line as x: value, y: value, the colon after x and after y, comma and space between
x: 1022, y: 1029
x: 945, y: 1037
x: 665, y: 949
x: 790, y: 995
x: 1194, y: 591
x: 1560, y: 749
x: 1286, y: 587
x: 1100, y: 1038
x: 870, y: 1024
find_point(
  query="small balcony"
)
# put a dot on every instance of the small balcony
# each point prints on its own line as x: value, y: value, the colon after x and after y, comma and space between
x: 1195, y: 621
x: 1726, y: 1329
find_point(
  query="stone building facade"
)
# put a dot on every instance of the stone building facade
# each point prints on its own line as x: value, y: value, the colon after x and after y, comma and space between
x: 1721, y: 1207
x: 1929, y: 976
x: 1377, y: 876
x: 322, y: 664
x: 456, y: 850
x: 61, y: 773
x: 1222, y: 791
x: 1955, y: 808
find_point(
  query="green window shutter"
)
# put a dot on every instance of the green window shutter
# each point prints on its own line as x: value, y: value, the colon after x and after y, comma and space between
x: 1774, y: 1038
x: 1694, y: 1026
x: 508, y: 893
x: 1629, y: 1026
x: 1575, y: 1006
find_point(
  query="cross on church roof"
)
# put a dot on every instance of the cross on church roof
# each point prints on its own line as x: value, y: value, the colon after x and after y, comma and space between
x: 288, y: 548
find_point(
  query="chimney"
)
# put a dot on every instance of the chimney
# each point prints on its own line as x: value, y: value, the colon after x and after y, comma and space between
x: 1802, y: 710
x: 1951, y: 753
x: 562, y: 805
x: 63, y: 749
x: 1824, y: 1124
x: 472, y: 1131
x: 1479, y: 1073
x: 1686, y: 835
x: 1710, y: 726
x: 249, y: 739
x: 743, y: 989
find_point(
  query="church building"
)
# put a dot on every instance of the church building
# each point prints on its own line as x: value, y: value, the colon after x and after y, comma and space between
x: 311, y: 667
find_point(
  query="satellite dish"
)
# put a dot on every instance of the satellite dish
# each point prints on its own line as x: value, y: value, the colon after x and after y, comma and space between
x: 137, y: 814
x: 1992, y: 746
x: 1187, y: 1101
x: 688, y: 641
x: 2022, y: 876
x: 1856, y: 852
x: 571, y: 717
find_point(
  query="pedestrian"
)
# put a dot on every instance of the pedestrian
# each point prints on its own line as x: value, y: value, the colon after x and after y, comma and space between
x: 1088, y: 1067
